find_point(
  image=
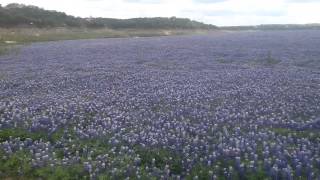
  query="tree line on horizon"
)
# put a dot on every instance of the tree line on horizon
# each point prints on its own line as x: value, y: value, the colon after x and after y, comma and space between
x: 20, y: 15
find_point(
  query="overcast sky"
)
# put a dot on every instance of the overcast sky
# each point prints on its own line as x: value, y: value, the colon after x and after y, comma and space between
x: 217, y: 12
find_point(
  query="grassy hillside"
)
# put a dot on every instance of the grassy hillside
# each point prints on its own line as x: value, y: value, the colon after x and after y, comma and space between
x: 23, y: 24
x: 19, y: 15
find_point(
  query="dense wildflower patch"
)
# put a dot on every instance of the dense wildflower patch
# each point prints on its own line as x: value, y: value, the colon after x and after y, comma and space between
x: 223, y: 106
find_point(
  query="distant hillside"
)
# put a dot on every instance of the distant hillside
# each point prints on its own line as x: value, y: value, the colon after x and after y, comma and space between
x: 19, y: 15
x: 273, y: 27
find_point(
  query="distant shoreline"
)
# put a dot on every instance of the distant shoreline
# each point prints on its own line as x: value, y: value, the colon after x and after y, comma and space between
x: 10, y: 37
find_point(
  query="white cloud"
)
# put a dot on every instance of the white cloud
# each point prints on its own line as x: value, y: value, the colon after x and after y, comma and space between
x: 218, y: 12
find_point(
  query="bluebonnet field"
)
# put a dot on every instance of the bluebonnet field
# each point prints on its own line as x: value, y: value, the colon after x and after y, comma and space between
x: 242, y: 105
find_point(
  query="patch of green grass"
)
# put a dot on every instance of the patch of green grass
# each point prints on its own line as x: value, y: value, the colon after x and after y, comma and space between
x: 259, y: 149
x: 57, y: 135
x: 57, y: 173
x: 2, y: 76
x: 22, y: 36
x: 104, y: 177
x: 23, y: 134
x: 27, y: 35
x: 100, y: 146
x: 162, y: 158
x: 260, y: 174
x: 202, y: 172
x: 8, y: 49
x: 15, y: 165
